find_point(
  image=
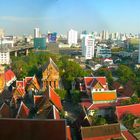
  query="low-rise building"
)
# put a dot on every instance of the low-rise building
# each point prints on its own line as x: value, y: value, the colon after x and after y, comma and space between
x: 103, y: 52
x: 4, y: 56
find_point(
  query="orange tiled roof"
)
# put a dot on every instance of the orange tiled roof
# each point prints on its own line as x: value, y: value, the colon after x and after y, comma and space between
x: 68, y: 133
x: 104, y: 96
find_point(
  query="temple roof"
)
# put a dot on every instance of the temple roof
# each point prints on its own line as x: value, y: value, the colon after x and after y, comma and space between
x: 50, y: 62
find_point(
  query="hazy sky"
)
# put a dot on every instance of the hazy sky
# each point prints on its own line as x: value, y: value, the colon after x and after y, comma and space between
x: 22, y: 16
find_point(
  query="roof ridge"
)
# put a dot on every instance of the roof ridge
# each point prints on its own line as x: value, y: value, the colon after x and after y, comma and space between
x: 127, y: 105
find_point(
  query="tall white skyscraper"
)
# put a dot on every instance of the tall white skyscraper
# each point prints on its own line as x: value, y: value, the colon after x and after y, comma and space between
x: 105, y: 35
x: 36, y: 33
x: 88, y: 46
x: 72, y: 37
x: 1, y: 33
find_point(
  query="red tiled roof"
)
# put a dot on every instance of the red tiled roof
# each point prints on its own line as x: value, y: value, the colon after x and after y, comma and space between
x: 128, y: 135
x: 55, y: 99
x: 128, y: 89
x: 23, y: 111
x: 9, y: 76
x: 89, y: 80
x: 27, y: 80
x: 86, y: 104
x: 102, y: 132
x: 56, y: 113
x: 102, y: 80
x: 20, y: 84
x: 132, y: 109
x: 21, y: 91
x: 35, y: 82
x: 19, y: 129
x: 5, y: 111
x: 116, y: 85
x: 117, y: 136
x: 101, y: 106
x: 38, y: 99
x: 68, y: 133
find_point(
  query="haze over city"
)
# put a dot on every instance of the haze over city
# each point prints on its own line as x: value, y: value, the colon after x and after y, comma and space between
x: 20, y: 17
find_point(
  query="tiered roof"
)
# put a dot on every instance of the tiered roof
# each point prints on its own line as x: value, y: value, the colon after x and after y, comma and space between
x: 89, y: 81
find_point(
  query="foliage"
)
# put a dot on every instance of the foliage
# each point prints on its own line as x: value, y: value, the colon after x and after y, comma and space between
x: 71, y: 70
x: 75, y: 96
x: 32, y: 64
x: 117, y: 49
x: 105, y: 72
x: 132, y: 100
x: 62, y: 93
x: 128, y: 120
x: 137, y: 82
x: 125, y: 74
x: 29, y: 65
x: 99, y: 120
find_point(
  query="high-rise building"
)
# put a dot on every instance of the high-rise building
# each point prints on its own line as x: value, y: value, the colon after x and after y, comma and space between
x: 40, y: 43
x: 105, y: 35
x: 36, y: 33
x: 1, y: 33
x: 52, y: 37
x: 72, y: 37
x: 88, y: 46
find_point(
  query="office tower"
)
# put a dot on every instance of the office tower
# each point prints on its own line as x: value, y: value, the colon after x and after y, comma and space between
x: 52, y: 37
x: 72, y: 37
x: 36, y: 33
x: 105, y: 35
x: 40, y: 43
x: 88, y: 46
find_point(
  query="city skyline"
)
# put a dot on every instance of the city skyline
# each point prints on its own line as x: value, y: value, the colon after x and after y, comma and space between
x: 21, y: 17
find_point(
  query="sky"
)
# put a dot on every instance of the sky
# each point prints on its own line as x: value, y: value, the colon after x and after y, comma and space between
x: 20, y: 17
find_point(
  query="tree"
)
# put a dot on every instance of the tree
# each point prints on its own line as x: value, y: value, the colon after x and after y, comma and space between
x: 99, y: 120
x: 128, y: 120
x: 125, y: 74
x: 62, y: 93
x: 104, y: 71
x: 75, y: 96
x: 71, y: 71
